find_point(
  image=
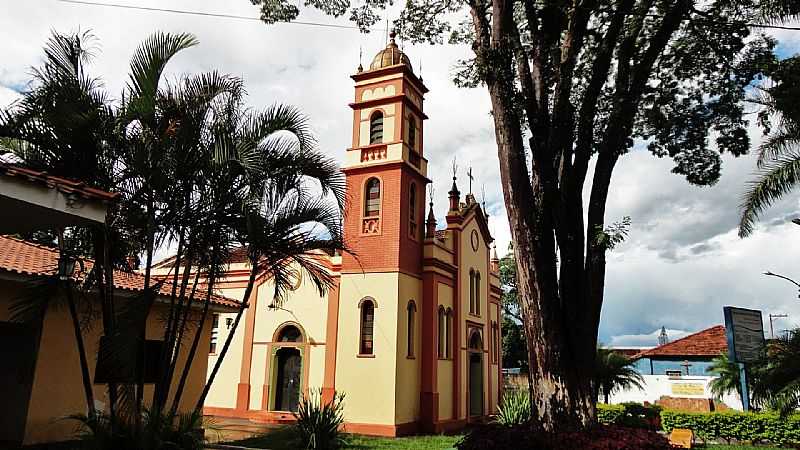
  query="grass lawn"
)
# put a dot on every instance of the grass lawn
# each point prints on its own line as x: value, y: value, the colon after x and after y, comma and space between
x: 739, y: 447
x: 284, y: 439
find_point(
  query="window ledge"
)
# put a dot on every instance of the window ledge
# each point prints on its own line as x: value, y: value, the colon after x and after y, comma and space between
x: 362, y: 355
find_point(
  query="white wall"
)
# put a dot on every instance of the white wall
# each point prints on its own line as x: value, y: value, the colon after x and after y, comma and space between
x: 656, y: 386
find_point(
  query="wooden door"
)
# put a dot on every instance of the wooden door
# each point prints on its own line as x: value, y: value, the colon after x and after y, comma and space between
x: 288, y: 382
x: 475, y: 384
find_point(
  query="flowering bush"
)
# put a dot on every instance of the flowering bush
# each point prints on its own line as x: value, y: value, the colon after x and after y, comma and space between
x: 601, y: 437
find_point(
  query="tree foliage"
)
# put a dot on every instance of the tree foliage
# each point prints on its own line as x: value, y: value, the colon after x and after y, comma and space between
x: 779, y: 154
x: 614, y: 371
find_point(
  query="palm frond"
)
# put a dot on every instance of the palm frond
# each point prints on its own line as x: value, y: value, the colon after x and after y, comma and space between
x: 776, y: 178
x: 150, y: 59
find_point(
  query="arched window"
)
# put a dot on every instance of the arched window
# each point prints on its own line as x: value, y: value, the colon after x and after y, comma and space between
x: 472, y: 291
x: 495, y: 347
x: 478, y: 293
x: 290, y: 333
x: 372, y: 198
x: 448, y: 335
x: 367, y: 325
x: 475, y: 341
x: 412, y: 210
x: 441, y: 333
x: 411, y: 311
x: 412, y: 132
x: 376, y: 128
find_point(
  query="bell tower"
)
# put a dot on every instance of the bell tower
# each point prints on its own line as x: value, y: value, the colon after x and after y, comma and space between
x: 385, y: 167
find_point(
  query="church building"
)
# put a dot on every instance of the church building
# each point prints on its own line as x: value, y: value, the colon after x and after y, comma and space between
x: 410, y: 331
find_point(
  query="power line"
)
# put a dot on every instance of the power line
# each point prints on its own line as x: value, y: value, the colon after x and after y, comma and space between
x: 350, y: 27
x: 201, y: 13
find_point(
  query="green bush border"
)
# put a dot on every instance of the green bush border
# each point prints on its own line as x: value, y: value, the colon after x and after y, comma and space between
x: 739, y: 426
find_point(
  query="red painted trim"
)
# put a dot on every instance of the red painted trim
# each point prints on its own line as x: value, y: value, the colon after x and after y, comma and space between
x: 331, y: 338
x: 372, y: 429
x: 243, y: 388
x: 429, y: 396
x: 456, y: 335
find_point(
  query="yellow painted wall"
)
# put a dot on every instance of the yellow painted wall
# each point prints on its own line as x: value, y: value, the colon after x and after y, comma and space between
x: 368, y: 383
x: 223, y: 391
x: 408, y: 370
x: 444, y: 372
x: 303, y: 306
x: 478, y: 260
x: 57, y: 385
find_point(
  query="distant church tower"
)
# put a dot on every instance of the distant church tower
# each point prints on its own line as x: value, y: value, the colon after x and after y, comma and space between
x: 662, y: 338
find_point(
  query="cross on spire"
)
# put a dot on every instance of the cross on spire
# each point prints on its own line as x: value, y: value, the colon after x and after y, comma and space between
x: 471, y: 178
x: 686, y: 365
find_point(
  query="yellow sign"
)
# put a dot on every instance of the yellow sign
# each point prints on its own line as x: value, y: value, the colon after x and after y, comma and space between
x: 688, y: 389
x: 681, y: 438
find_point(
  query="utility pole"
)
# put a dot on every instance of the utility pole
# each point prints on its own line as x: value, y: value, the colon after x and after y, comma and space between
x: 771, y: 318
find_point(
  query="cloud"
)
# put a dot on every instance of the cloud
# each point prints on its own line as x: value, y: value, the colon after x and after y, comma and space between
x: 645, y: 339
x: 681, y: 262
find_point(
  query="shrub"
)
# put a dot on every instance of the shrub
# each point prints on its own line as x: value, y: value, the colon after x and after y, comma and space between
x: 318, y: 423
x: 159, y: 431
x: 632, y: 415
x: 514, y: 409
x: 528, y: 437
x: 739, y: 426
x: 610, y: 414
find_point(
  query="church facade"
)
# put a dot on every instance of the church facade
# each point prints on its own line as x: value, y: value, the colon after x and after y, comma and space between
x: 410, y: 331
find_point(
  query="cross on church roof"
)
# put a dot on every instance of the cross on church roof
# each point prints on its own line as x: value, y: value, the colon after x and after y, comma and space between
x: 471, y: 178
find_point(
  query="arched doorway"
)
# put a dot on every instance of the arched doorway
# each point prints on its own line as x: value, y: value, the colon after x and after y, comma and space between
x: 288, y: 369
x: 475, y: 382
x: 287, y: 384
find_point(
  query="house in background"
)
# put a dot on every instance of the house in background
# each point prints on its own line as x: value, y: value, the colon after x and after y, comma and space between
x: 675, y: 374
x: 690, y: 355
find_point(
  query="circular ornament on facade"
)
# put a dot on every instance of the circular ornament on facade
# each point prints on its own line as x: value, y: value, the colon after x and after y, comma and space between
x: 474, y: 240
x: 296, y: 279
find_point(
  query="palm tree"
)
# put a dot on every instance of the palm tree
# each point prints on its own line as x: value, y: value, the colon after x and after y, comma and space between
x: 194, y: 168
x: 782, y: 373
x: 728, y: 376
x: 613, y: 372
x: 779, y: 155
x: 62, y: 126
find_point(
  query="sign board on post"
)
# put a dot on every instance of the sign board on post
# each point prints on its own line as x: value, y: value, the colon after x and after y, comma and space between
x: 744, y: 330
x: 745, y: 333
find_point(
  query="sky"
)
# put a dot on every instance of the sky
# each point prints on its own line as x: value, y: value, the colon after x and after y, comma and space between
x: 681, y: 263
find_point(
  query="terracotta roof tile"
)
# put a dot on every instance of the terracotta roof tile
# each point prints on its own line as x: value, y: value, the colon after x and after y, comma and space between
x: 27, y: 258
x: 62, y: 184
x: 708, y: 342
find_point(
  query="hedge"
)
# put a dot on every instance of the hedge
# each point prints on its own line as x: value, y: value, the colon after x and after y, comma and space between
x: 632, y: 415
x: 739, y: 426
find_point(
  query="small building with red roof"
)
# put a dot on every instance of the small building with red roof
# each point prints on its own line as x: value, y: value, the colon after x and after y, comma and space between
x: 40, y: 378
x: 689, y: 355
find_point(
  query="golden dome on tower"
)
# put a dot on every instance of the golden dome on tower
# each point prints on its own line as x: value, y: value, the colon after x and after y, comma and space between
x: 390, y: 56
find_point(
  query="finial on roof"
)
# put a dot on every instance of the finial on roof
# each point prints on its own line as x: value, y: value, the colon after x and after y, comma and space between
x: 360, y: 54
x: 454, y: 193
x: 430, y: 223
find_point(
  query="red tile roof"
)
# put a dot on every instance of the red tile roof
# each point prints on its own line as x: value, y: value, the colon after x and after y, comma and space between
x: 708, y: 342
x: 27, y: 258
x: 62, y: 184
